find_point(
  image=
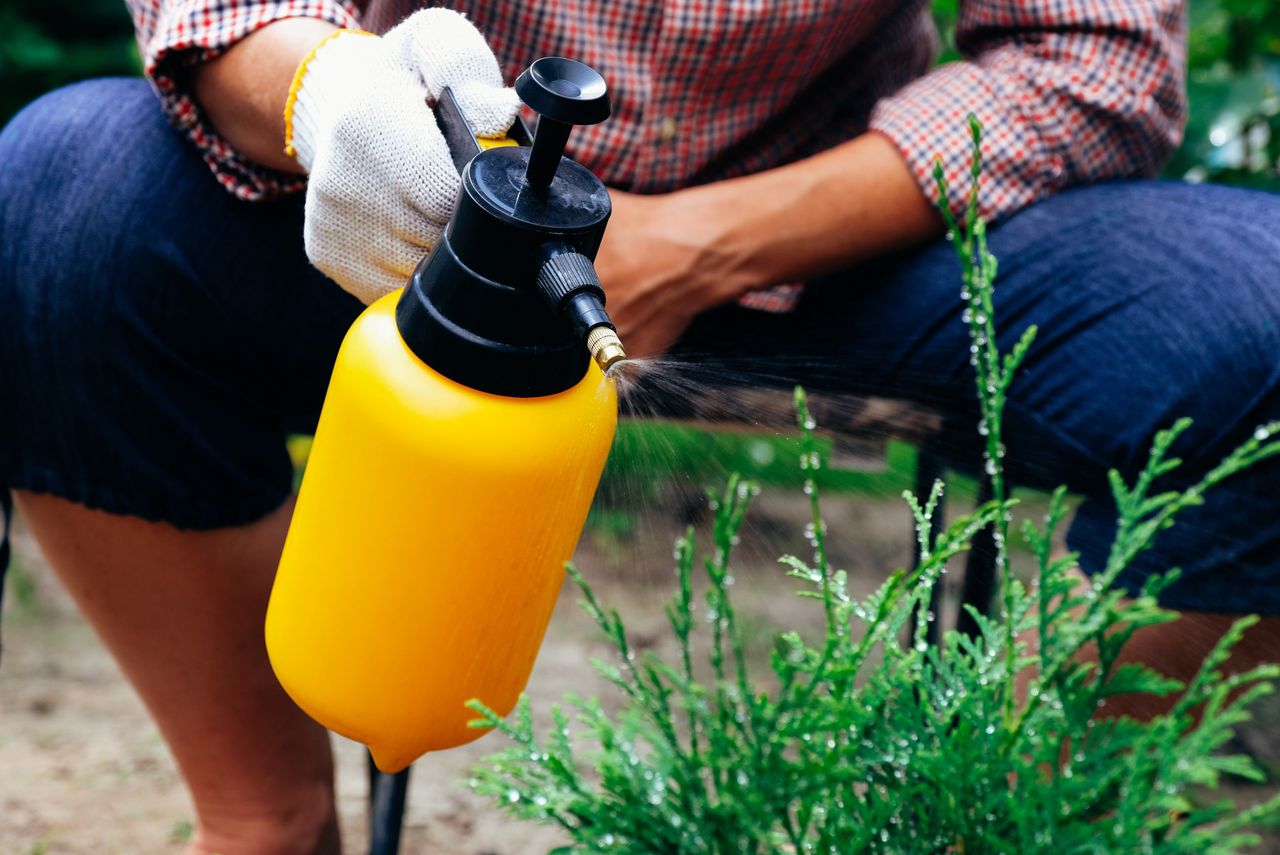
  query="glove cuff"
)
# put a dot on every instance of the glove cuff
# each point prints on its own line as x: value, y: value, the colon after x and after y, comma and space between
x: 321, y: 85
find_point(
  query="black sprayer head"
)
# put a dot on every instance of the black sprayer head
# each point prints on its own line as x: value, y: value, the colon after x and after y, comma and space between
x: 509, y: 301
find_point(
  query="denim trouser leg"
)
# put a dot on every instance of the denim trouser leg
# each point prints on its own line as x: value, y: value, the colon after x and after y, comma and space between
x: 158, y: 338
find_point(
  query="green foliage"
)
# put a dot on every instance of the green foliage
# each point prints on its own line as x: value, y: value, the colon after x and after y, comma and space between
x: 866, y: 742
x: 1233, y: 132
x: 1235, y: 32
x: 45, y: 44
x: 646, y: 453
x: 22, y: 588
x: 945, y: 13
x: 182, y: 831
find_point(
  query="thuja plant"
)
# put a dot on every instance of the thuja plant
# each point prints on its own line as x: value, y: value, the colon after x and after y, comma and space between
x: 870, y: 740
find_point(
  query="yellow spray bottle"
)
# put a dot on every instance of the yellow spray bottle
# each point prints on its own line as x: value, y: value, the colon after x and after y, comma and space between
x: 462, y: 437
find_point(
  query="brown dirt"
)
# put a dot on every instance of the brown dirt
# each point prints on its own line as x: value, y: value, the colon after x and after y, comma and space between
x: 82, y: 769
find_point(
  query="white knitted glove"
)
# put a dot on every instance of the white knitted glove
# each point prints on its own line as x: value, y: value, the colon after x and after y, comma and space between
x: 382, y: 184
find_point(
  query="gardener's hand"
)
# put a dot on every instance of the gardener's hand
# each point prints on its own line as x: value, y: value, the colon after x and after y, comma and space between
x: 661, y: 263
x: 382, y: 183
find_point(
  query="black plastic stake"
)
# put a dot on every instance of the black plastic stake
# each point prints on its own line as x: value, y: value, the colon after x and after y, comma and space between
x: 387, y: 795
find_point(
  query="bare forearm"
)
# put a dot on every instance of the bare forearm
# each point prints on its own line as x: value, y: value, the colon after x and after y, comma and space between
x: 243, y: 91
x: 815, y: 216
x: 667, y: 257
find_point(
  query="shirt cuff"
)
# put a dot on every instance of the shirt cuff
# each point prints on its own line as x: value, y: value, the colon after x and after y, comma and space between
x: 927, y: 122
x: 189, y: 34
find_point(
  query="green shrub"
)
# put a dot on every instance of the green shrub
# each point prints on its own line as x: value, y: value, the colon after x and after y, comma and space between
x: 866, y: 742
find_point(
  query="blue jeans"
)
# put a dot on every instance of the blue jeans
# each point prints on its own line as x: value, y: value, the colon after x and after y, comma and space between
x: 159, y: 339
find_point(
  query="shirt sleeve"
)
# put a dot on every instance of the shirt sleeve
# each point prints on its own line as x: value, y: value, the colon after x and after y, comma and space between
x: 1068, y: 92
x: 174, y: 35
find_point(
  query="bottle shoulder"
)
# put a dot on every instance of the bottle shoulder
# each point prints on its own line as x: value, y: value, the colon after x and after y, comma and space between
x: 375, y: 366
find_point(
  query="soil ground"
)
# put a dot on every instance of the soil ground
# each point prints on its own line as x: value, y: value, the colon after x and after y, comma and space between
x: 82, y: 769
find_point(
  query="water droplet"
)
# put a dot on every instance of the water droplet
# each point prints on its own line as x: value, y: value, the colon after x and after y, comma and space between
x: 513, y: 796
x: 1262, y: 434
x: 983, y: 429
x: 991, y: 466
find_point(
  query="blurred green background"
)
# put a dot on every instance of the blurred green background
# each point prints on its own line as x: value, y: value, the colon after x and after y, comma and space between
x: 45, y: 44
x: 1233, y: 136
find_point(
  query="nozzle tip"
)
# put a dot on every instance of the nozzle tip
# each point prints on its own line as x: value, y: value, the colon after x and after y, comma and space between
x: 605, y: 347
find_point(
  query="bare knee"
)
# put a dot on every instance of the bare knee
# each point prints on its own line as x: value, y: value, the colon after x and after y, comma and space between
x: 1178, y: 650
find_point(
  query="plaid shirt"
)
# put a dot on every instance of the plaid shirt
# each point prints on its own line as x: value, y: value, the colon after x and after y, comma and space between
x: 1070, y: 91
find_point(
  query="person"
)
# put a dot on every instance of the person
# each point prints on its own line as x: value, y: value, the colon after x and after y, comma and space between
x: 169, y: 312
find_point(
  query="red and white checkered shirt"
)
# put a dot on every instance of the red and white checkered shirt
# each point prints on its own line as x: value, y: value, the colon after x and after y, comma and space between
x: 1070, y: 91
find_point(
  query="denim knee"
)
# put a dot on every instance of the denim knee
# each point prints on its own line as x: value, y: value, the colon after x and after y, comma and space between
x: 80, y: 162
x: 158, y: 336
x: 1164, y: 302
x: 1197, y: 334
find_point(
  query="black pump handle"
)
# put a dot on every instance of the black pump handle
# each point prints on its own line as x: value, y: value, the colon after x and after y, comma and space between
x: 564, y: 93
x: 459, y: 136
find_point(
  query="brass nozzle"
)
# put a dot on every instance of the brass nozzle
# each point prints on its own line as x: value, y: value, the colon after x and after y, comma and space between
x: 605, y: 347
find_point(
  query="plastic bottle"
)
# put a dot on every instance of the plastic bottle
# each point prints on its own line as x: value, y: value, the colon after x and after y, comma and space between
x: 462, y: 437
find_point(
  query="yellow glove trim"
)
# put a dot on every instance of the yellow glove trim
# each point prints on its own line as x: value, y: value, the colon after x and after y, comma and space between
x: 296, y: 84
x: 487, y: 143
